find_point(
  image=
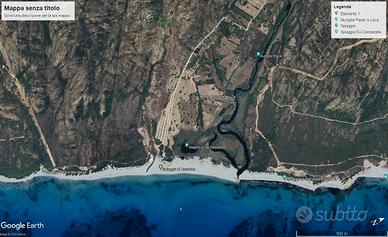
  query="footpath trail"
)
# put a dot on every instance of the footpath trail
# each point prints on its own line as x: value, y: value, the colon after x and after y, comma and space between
x: 26, y: 102
x: 162, y: 131
x: 291, y: 107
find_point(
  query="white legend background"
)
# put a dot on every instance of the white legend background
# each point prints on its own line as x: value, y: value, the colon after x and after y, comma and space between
x: 355, y: 20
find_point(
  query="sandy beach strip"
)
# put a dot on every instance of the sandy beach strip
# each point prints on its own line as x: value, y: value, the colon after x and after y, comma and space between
x: 205, y: 167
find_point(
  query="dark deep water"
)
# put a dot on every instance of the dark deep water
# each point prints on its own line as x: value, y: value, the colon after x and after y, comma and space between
x: 183, y: 205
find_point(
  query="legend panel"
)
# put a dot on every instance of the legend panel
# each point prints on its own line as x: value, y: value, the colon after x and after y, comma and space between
x: 358, y: 20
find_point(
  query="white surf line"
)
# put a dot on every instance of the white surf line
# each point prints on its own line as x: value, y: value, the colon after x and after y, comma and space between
x: 164, y: 124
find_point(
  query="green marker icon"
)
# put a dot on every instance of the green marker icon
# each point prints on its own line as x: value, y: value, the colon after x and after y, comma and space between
x: 161, y: 167
x: 284, y: 177
x: 43, y: 169
x: 186, y: 144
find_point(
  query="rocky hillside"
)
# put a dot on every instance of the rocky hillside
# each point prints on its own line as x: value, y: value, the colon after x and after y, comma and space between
x: 92, y: 83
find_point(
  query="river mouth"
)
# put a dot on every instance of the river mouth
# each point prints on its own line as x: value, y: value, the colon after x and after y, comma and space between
x: 222, y: 128
x: 225, y: 130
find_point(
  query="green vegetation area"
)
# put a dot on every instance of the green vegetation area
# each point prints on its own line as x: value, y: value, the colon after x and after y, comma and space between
x: 246, y: 101
x: 262, y: 155
x: 12, y: 171
x: 165, y: 21
x: 20, y: 157
x: 237, y: 12
x: 315, y: 141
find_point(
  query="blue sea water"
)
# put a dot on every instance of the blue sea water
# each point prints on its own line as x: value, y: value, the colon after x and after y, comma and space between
x: 187, y: 206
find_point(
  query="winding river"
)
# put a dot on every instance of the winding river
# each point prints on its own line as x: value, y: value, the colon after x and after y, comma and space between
x: 221, y: 127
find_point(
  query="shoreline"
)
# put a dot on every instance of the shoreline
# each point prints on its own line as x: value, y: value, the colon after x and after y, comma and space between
x: 205, y: 168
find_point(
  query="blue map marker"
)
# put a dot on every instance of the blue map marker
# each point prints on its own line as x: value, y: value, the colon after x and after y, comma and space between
x: 385, y: 176
x: 258, y: 54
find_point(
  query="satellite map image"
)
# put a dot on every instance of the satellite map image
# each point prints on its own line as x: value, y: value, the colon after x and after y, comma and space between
x: 193, y: 118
